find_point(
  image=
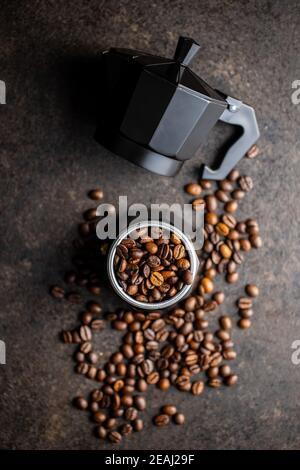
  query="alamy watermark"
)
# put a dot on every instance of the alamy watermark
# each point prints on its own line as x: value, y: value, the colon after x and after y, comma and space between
x: 295, y: 97
x: 2, y: 92
x: 295, y: 357
x: 2, y: 352
x: 113, y: 221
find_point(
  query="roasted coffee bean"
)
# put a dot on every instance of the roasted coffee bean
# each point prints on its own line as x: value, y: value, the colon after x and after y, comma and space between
x: 169, y: 410
x: 211, y: 218
x: 211, y: 203
x: 97, y: 325
x: 225, y: 370
x: 179, y: 418
x: 244, y: 303
x: 95, y: 194
x: 214, y: 383
x: 193, y: 189
x: 231, y: 278
x: 229, y: 354
x: 231, y: 206
x: 86, y: 347
x: 255, y: 241
x: 197, y: 387
x: 85, y: 333
x: 231, y: 380
x: 151, y: 247
x: 152, y: 378
x: 90, y: 214
x: 238, y: 194
x: 244, y: 323
x: 57, y: 292
x: 198, y: 204
x: 138, y: 425
x: 222, y: 196
x: 225, y: 322
x: 101, y: 432
x: 233, y: 175
x: 207, y: 285
x: 246, y: 312
x: 219, y: 297
x: 252, y: 290
x: 245, y: 183
x: 115, y: 437
x: 131, y: 414
x: 222, y: 229
x: 161, y: 420
x: 81, y: 403
x: 253, y: 152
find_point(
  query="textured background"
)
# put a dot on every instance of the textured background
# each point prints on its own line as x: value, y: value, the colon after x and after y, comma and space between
x: 49, y: 160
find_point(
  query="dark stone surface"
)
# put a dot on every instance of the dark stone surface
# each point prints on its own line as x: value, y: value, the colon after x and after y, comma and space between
x: 49, y: 161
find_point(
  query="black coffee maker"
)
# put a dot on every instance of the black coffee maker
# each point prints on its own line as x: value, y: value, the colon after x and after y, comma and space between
x: 158, y: 111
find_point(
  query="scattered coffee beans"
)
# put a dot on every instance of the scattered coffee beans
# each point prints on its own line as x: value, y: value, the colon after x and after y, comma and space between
x: 177, y: 348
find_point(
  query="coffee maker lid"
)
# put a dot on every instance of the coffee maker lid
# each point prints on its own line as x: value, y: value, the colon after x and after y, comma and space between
x: 175, y: 71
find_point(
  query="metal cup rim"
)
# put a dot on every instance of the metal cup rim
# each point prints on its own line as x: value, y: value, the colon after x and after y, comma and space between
x: 154, y: 305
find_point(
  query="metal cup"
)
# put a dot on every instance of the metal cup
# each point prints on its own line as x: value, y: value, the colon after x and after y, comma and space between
x: 155, y: 305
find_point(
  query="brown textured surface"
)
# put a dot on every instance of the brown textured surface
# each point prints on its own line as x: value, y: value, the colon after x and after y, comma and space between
x: 49, y: 161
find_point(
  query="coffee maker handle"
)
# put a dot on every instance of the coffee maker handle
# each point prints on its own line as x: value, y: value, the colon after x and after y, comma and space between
x: 237, y: 114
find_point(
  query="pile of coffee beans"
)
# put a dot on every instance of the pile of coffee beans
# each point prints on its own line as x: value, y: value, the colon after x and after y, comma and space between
x: 179, y: 348
x: 153, y: 267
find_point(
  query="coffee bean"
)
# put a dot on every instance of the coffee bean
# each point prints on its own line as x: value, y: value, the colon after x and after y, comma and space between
x: 85, y: 333
x: 225, y: 370
x: 231, y: 380
x: 231, y: 278
x: 96, y: 194
x: 244, y: 303
x: 255, y: 241
x: 219, y: 297
x: 90, y: 214
x: 115, y: 437
x: 169, y: 410
x: 222, y: 196
x: 161, y: 420
x: 211, y: 203
x: 193, y: 189
x: 246, y: 313
x: 94, y: 307
x: 206, y: 184
x: 253, y: 152
x: 211, y: 218
x: 163, y: 384
x: 238, y: 194
x: 131, y: 414
x: 179, y: 418
x: 252, y: 290
x: 151, y: 247
x: 207, y: 285
x: 225, y: 322
x: 197, y: 387
x: 57, y: 292
x: 225, y: 251
x: 222, y: 229
x: 126, y: 429
x: 231, y: 206
x: 214, y: 383
x: 81, y: 403
x: 198, y: 204
x: 101, y: 432
x: 245, y: 183
x: 244, y: 323
x: 233, y: 175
